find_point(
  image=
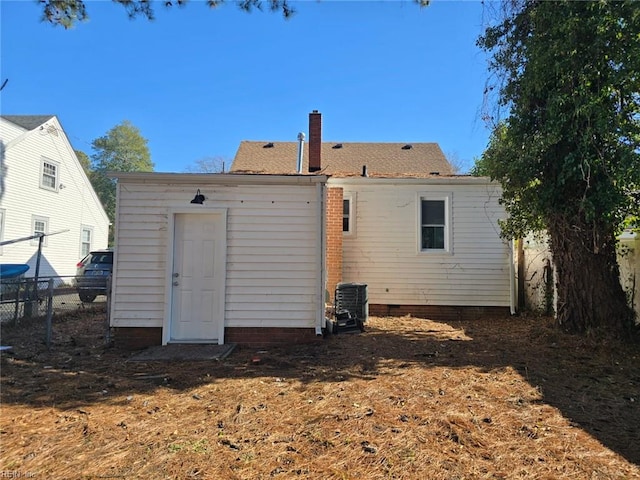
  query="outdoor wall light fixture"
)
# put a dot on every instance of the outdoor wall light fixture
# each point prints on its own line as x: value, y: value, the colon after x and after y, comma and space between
x: 198, y: 199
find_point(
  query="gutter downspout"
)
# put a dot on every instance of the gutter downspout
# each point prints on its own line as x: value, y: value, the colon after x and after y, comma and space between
x: 321, y: 245
x: 300, y: 151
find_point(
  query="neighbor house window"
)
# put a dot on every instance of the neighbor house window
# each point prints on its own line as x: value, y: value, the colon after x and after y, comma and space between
x: 2, y: 215
x: 435, y: 225
x: 39, y: 226
x: 348, y: 217
x: 50, y: 174
x: 86, y: 236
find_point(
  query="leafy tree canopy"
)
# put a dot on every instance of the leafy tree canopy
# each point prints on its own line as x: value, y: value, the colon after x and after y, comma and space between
x: 67, y: 13
x: 568, y: 152
x: 571, y: 144
x: 84, y: 160
x: 122, y: 149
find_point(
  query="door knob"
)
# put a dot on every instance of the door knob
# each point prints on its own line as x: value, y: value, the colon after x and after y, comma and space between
x: 176, y: 275
x: 175, y: 284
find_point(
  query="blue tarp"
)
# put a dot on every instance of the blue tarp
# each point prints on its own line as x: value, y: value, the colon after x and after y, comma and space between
x: 11, y: 270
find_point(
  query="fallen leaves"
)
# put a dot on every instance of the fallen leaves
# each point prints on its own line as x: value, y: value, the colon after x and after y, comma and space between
x: 496, y: 405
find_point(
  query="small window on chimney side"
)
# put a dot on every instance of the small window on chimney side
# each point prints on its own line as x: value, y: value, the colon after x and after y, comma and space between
x: 268, y: 145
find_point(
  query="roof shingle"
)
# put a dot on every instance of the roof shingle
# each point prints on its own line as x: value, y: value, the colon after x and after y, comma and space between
x: 28, y: 122
x: 344, y: 159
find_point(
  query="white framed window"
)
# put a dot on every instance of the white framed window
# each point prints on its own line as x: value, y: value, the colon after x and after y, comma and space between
x: 2, y: 216
x: 86, y: 237
x: 39, y: 225
x: 49, y: 174
x: 434, y: 220
x: 348, y: 214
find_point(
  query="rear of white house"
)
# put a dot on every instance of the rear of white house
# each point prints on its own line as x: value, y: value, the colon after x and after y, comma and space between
x: 426, y: 246
x: 245, y: 266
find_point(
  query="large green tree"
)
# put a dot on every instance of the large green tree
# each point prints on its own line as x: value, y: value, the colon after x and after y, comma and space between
x: 568, y: 151
x: 122, y: 149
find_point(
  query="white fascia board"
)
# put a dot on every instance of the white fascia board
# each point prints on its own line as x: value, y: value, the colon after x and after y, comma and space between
x: 216, y: 178
x: 454, y: 180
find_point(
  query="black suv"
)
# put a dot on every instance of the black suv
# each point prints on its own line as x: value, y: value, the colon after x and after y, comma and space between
x: 92, y: 274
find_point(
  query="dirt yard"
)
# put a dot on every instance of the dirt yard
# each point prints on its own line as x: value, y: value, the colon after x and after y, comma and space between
x: 408, y: 399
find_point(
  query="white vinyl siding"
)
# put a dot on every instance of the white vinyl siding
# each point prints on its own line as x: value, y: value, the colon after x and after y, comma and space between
x: 386, y: 254
x: 67, y: 209
x: 273, y: 249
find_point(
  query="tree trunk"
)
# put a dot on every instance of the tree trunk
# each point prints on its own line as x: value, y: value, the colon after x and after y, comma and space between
x: 590, y: 296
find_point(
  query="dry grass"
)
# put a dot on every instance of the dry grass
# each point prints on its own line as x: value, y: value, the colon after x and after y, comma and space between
x: 408, y: 399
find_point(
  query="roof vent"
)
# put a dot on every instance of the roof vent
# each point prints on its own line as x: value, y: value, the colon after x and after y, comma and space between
x: 268, y: 145
x: 434, y: 173
x: 337, y: 145
x: 408, y: 146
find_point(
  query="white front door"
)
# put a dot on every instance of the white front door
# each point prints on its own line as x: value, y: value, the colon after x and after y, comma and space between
x: 198, y: 278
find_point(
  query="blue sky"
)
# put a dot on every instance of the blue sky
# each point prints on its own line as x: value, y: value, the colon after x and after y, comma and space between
x: 197, y: 81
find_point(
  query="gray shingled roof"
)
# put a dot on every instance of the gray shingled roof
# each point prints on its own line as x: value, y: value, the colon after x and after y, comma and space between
x: 344, y: 159
x: 28, y: 122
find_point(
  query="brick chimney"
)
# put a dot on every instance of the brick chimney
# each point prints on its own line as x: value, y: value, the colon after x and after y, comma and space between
x: 315, y: 141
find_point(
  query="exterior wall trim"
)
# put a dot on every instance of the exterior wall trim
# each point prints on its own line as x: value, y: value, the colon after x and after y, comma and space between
x: 453, y: 180
x: 216, y: 178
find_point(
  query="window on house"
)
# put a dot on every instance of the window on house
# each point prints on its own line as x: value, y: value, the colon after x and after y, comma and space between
x: 39, y: 225
x: 86, y: 235
x: 346, y: 217
x: 50, y: 172
x: 434, y: 224
x: 2, y: 215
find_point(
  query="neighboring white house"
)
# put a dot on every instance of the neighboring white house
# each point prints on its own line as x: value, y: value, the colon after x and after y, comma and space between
x: 43, y: 189
x: 245, y: 266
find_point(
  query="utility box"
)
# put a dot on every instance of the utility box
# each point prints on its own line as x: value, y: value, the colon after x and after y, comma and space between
x: 353, y: 298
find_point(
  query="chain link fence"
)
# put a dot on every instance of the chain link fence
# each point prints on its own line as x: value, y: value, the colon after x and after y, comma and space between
x: 46, y: 298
